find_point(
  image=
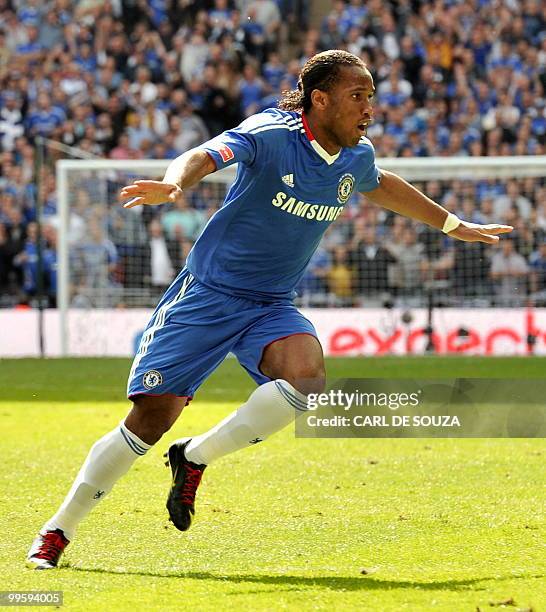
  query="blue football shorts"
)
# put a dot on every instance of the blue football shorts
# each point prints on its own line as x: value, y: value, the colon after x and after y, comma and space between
x: 194, y: 327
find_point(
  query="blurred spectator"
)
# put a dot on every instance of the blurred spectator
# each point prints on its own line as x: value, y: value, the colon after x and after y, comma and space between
x: 266, y: 14
x: 411, y: 59
x: 8, y: 250
x: 80, y: 213
x: 537, y: 264
x: 513, y: 197
x: 340, y: 276
x: 126, y: 230
x: 137, y: 132
x: 251, y: 89
x: 331, y: 36
x: 11, y: 120
x: 525, y: 237
x: 161, y: 264
x: 218, y: 108
x: 50, y: 31
x: 182, y: 221
x: 469, y: 212
x: 487, y: 213
x: 188, y: 129
x: 194, y: 56
x: 509, y: 273
x: 313, y: 286
x: 274, y: 70
x: 44, y: 119
x: 409, y: 265
x: 124, y: 150
x: 371, y: 262
x: 30, y: 50
x: 96, y: 259
x: 27, y: 261
x: 541, y: 209
x: 220, y: 15
x: 470, y: 270
x: 394, y: 243
x: 50, y: 264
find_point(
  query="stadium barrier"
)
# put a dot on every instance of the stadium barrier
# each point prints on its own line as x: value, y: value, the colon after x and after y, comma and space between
x: 343, y: 333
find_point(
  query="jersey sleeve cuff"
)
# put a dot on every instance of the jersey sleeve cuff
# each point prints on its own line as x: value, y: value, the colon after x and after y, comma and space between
x: 222, y: 155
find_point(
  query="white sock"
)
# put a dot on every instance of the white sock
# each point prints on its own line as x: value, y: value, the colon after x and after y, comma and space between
x: 108, y: 460
x: 270, y: 408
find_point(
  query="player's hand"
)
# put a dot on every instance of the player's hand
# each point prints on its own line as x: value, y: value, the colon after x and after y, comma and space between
x: 150, y: 193
x: 474, y: 232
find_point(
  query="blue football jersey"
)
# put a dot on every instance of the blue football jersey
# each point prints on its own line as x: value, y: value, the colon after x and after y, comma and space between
x: 287, y: 191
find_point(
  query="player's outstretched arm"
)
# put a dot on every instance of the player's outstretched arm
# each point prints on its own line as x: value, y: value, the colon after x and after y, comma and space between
x: 395, y: 194
x: 184, y: 171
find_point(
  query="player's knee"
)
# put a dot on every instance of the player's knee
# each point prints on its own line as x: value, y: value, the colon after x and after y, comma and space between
x: 150, y: 417
x: 159, y: 425
x: 307, y: 377
x: 148, y: 429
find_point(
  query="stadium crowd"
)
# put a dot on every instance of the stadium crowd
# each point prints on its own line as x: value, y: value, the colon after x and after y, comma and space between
x: 139, y: 79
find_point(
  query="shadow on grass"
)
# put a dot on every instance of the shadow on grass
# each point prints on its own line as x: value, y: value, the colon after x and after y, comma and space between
x: 337, y: 583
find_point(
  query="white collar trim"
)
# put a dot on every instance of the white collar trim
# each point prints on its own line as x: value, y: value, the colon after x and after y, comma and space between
x: 329, y: 159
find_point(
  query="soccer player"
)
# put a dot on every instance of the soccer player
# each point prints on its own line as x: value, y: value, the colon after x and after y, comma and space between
x: 298, y: 166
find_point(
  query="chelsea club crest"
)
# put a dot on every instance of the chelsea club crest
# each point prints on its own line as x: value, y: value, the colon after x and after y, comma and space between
x: 345, y: 188
x: 152, y: 379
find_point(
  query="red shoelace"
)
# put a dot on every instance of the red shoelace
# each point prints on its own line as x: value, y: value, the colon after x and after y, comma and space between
x: 191, y: 482
x: 52, y: 546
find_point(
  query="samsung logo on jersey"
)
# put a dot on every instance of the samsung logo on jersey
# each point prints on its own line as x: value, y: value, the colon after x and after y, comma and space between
x: 318, y: 212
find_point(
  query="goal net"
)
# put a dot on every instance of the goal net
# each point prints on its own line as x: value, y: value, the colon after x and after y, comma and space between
x: 111, y: 258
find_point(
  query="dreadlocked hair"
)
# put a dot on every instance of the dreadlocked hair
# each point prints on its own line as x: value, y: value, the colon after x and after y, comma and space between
x: 319, y: 72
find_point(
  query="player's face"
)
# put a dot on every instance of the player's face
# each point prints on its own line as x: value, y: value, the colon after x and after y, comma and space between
x: 349, y: 110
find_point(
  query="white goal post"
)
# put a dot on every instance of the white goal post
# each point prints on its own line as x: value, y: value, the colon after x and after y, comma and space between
x: 104, y: 177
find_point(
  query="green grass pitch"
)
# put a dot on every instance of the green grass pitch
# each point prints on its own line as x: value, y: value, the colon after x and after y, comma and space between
x: 450, y: 525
